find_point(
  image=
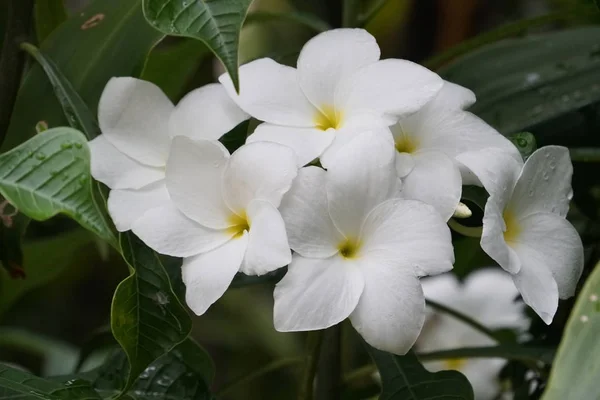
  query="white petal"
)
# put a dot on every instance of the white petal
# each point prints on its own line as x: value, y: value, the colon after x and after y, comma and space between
x: 404, y: 164
x: 206, y: 113
x: 307, y: 143
x: 537, y: 285
x: 116, y: 170
x: 126, y: 206
x: 311, y: 232
x: 444, y: 289
x: 545, y: 183
x: 207, y: 276
x: 454, y: 96
x: 268, y: 248
x: 492, y: 237
x: 410, y: 232
x: 166, y: 230
x: 134, y: 116
x: 259, y: 170
x: 495, y: 169
x: 391, y: 86
x: 552, y: 242
x: 270, y: 92
x: 331, y: 56
x: 435, y: 180
x: 391, y: 310
x: 316, y: 293
x: 194, y: 178
x: 353, y: 126
x: 360, y: 177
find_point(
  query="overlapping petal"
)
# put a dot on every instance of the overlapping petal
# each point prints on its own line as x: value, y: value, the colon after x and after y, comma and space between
x: 127, y: 206
x: 316, y: 293
x: 206, y: 113
x: 207, y: 276
x: 134, y: 116
x: 492, y: 237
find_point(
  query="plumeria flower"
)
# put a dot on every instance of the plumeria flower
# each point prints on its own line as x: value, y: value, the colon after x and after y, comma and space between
x: 488, y: 297
x: 223, y: 217
x: 360, y: 250
x: 524, y: 224
x: 428, y: 141
x: 138, y: 122
x: 339, y: 89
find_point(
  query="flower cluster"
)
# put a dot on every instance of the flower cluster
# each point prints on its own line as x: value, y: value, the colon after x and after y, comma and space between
x: 395, y: 147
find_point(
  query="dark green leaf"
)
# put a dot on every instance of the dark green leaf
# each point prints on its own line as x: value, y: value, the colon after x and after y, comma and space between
x: 171, y: 67
x: 49, y: 14
x: 50, y: 174
x: 575, y: 371
x: 16, y: 384
x: 525, y: 142
x: 75, y: 110
x: 305, y: 19
x: 236, y: 137
x: 109, y: 38
x: 506, y: 351
x: 147, y: 318
x: 526, y: 81
x: 404, y: 378
x: 12, y: 229
x: 216, y: 23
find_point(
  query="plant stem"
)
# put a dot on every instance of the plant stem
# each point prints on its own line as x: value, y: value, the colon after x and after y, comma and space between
x: 507, y: 30
x: 365, y: 17
x: 275, y: 365
x: 469, y: 231
x: 350, y: 11
x: 314, y: 341
x: 585, y: 154
x: 12, y: 60
x: 330, y: 370
x: 462, y: 317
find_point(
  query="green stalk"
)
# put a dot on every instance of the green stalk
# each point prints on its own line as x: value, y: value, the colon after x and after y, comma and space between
x: 314, y: 341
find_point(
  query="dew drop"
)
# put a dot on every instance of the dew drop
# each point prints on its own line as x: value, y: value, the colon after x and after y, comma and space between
x: 537, y: 110
x: 531, y: 192
x: 593, y: 298
x: 185, y: 3
x: 53, y: 173
x: 40, y: 156
x: 82, y: 179
x: 584, y: 318
x: 66, y: 145
x: 545, y: 175
x: 144, y: 375
x: 78, y: 145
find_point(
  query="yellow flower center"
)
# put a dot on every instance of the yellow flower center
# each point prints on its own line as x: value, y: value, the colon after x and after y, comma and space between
x: 239, y: 224
x: 512, y: 226
x: 405, y: 144
x: 349, y: 248
x: 327, y: 118
x: 454, y: 363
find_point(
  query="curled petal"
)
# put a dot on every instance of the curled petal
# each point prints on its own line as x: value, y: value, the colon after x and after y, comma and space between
x: 492, y: 237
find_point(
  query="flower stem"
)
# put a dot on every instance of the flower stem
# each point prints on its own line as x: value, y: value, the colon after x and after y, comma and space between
x: 329, y: 368
x: 314, y: 341
x: 462, y: 317
x: 350, y: 11
x: 275, y: 365
x: 469, y: 231
x: 371, y: 12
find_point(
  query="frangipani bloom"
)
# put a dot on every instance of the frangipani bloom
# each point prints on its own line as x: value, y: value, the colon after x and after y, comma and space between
x: 339, y: 89
x: 223, y: 217
x: 138, y: 122
x: 487, y: 296
x: 428, y: 141
x: 524, y: 224
x: 360, y: 250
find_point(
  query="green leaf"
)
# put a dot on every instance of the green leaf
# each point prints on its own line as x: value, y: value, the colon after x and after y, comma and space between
x: 108, y: 38
x: 523, y: 82
x: 217, y: 23
x: 308, y: 20
x: 12, y: 230
x: 17, y: 384
x: 48, y: 15
x: 404, y: 378
x: 575, y: 371
x: 147, y: 318
x: 75, y: 110
x: 525, y: 142
x: 43, y: 261
x: 50, y: 174
x: 506, y: 351
x: 172, y: 67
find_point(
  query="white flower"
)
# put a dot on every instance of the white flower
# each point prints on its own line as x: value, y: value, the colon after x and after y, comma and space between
x: 487, y: 296
x: 138, y: 122
x: 223, y: 217
x: 524, y: 224
x: 339, y: 89
x: 360, y: 250
x: 428, y: 141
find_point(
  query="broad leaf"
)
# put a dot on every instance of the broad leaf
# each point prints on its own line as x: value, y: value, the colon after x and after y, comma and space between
x: 75, y: 110
x: 17, y: 384
x: 108, y: 38
x: 50, y: 174
x: 404, y: 378
x: 575, y: 371
x: 522, y: 82
x: 48, y: 15
x: 525, y: 142
x: 217, y: 23
x: 147, y: 318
